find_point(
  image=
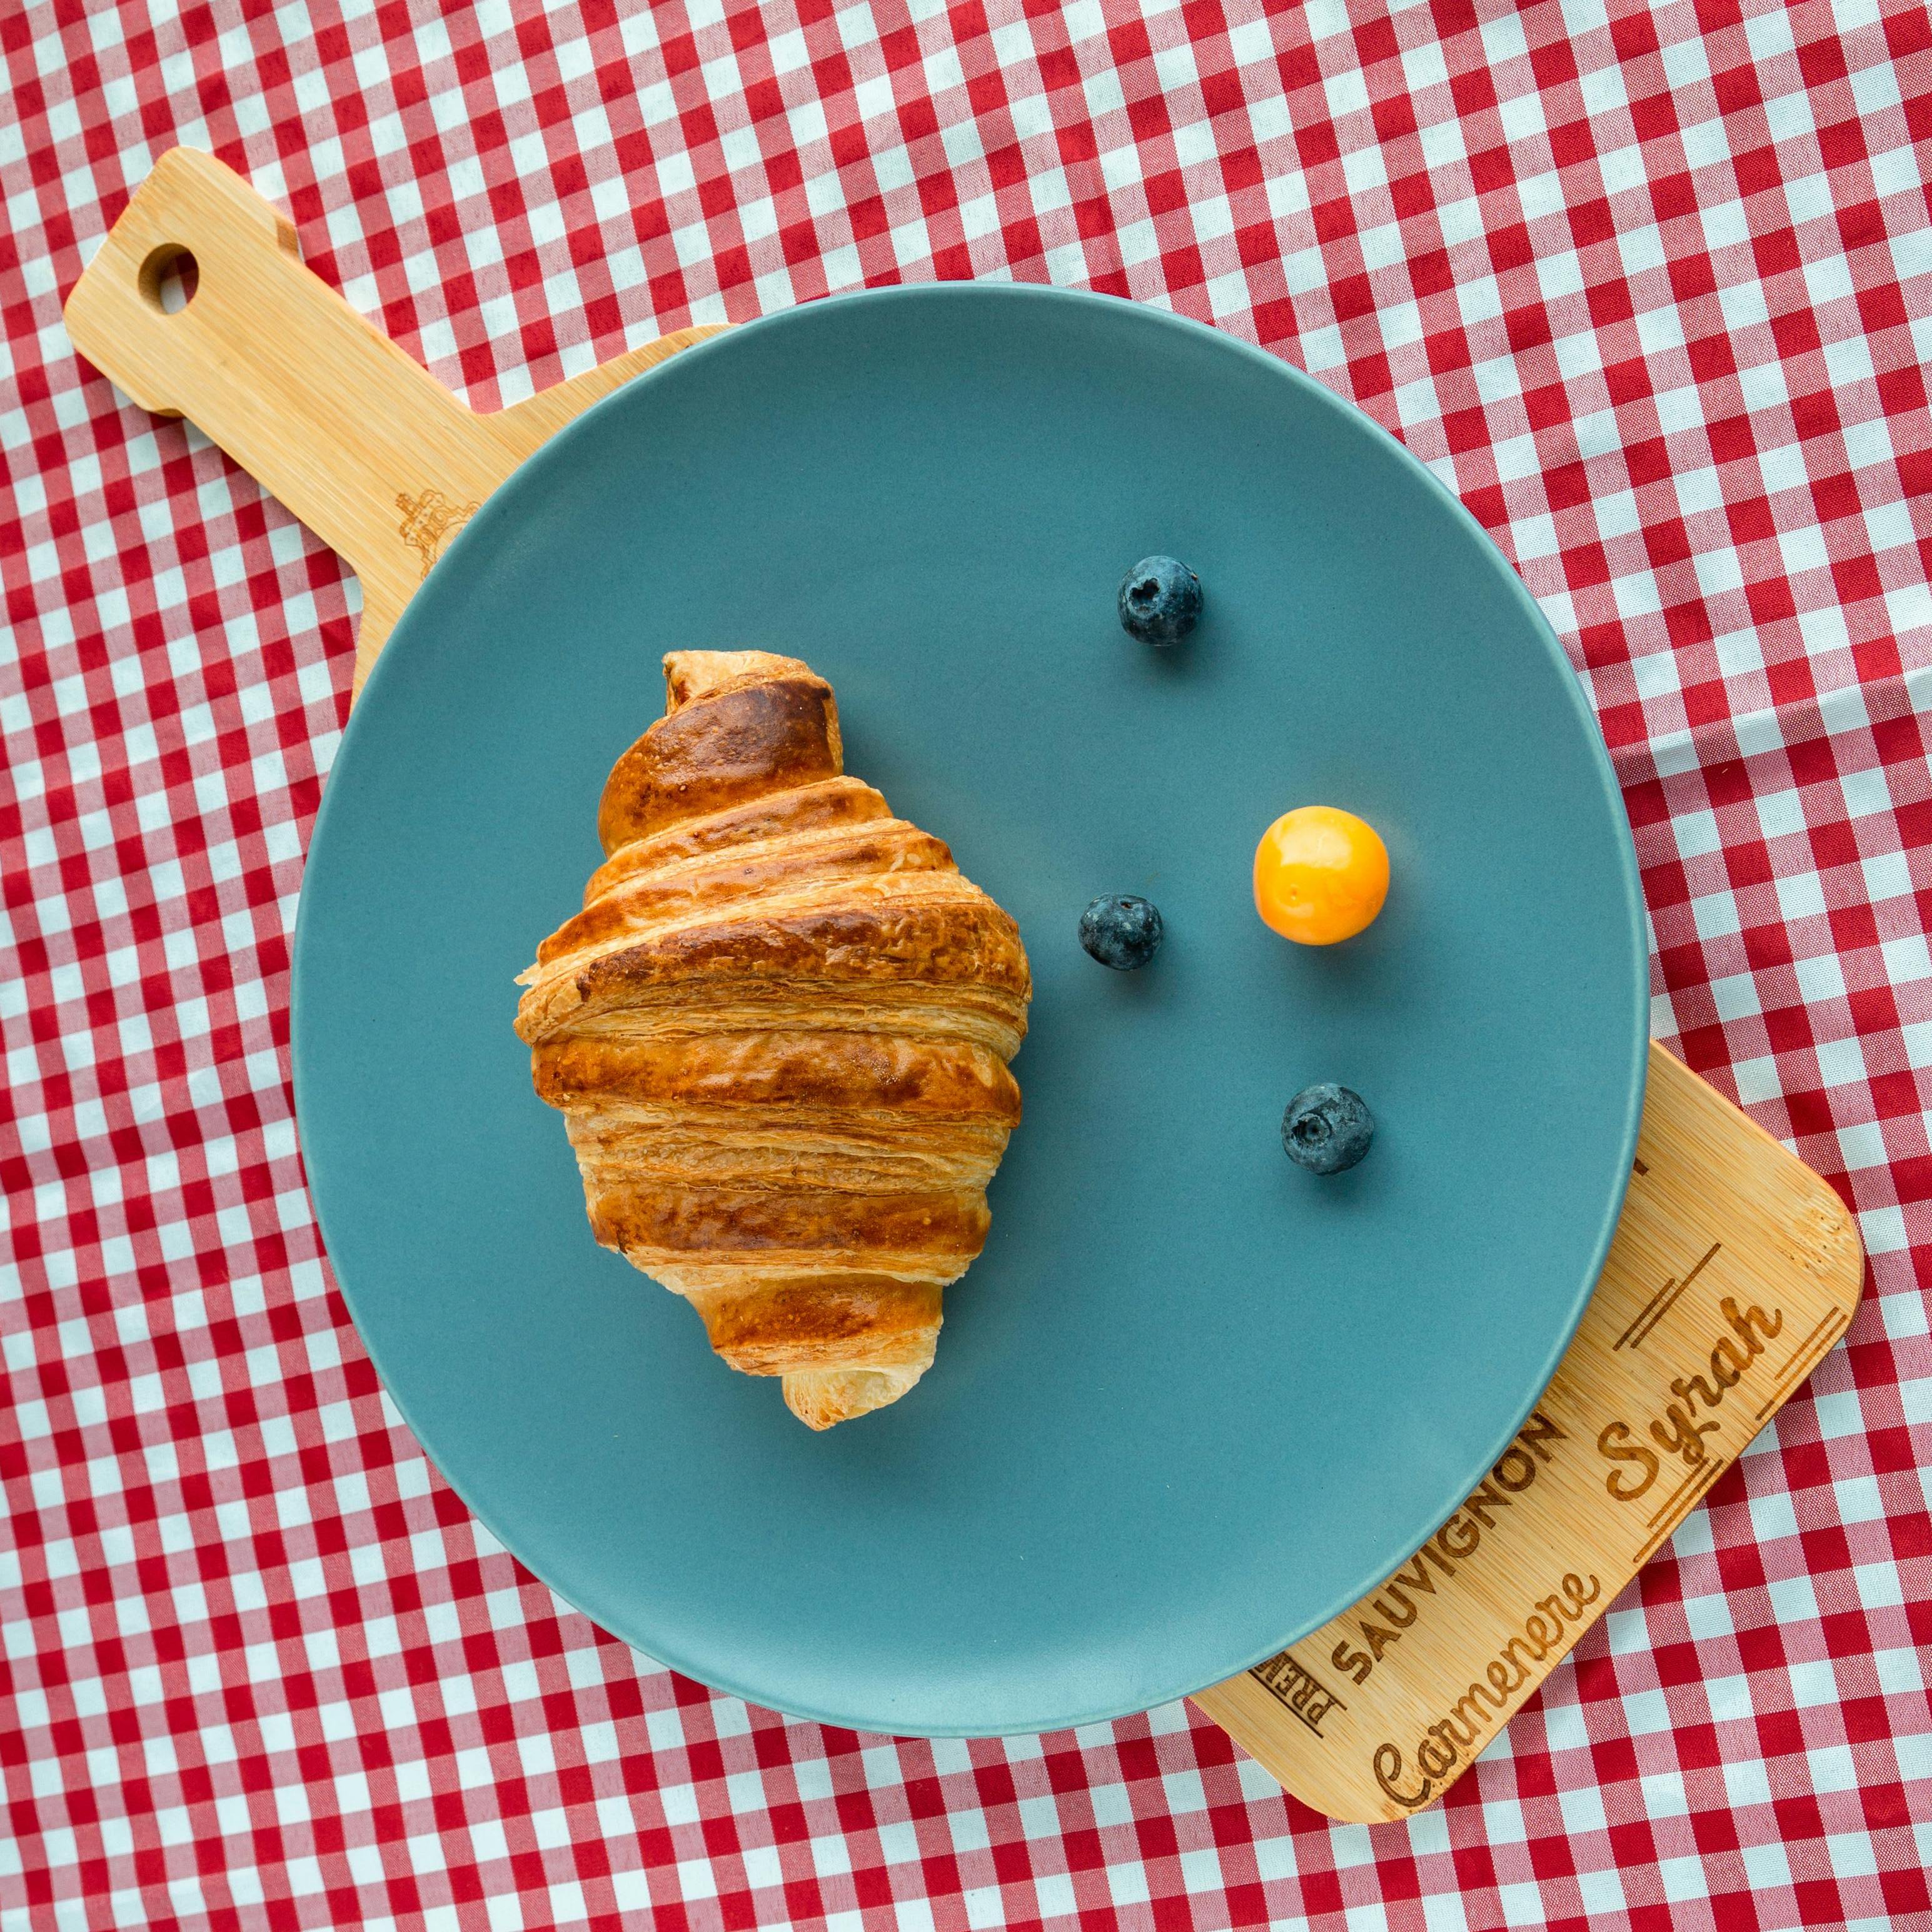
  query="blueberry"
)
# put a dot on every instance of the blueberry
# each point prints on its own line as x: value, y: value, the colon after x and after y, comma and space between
x: 1122, y: 933
x: 1160, y: 600
x: 1326, y: 1128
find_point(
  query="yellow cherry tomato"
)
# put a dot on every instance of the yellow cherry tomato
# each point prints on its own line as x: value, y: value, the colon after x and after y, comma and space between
x: 1321, y: 875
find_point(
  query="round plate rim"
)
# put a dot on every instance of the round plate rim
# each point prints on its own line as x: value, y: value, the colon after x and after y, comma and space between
x: 475, y: 536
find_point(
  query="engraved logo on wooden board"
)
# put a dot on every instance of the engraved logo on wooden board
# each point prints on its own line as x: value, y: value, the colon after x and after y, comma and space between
x: 429, y: 521
x: 1299, y: 1689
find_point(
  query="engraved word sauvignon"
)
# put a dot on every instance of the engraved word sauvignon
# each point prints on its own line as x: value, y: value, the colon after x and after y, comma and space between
x: 1382, y: 1621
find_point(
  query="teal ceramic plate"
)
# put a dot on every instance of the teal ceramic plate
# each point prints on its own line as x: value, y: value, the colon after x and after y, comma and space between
x: 1191, y: 1401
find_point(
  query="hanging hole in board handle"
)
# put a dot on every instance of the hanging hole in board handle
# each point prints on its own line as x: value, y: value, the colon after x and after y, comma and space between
x: 169, y: 277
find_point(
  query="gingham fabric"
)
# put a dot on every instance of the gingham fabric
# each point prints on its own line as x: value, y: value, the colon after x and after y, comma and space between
x: 1649, y: 286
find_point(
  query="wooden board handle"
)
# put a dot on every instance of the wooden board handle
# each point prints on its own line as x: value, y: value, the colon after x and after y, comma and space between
x: 361, y: 441
x: 273, y: 365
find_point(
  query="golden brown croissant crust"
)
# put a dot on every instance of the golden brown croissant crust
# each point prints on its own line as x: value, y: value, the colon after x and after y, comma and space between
x: 778, y: 1031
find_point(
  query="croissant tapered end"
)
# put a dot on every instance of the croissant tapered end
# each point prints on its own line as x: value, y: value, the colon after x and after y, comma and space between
x: 689, y: 674
x: 779, y: 1032
x: 740, y: 724
x: 820, y: 1397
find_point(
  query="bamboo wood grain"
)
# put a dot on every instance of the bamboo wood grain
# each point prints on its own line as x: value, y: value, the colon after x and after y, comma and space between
x: 359, y: 441
x: 1734, y: 1271
x: 1376, y: 1714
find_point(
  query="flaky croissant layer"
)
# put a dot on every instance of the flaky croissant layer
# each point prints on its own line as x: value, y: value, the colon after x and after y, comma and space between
x: 779, y: 1032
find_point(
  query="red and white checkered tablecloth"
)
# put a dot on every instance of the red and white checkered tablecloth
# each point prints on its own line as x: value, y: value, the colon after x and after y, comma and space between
x: 1650, y: 287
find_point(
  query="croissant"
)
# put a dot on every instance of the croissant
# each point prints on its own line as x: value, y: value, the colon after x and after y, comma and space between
x: 778, y: 1032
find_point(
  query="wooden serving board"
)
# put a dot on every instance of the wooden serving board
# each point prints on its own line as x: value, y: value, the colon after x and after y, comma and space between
x: 1734, y: 1268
